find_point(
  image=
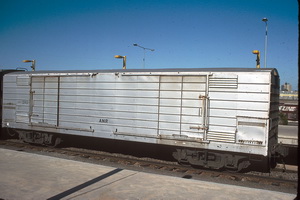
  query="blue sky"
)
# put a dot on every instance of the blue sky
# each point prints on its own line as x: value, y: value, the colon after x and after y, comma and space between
x: 86, y: 34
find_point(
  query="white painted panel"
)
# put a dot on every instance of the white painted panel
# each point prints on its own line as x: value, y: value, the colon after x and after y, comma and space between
x: 109, y: 93
x: 222, y: 121
x: 240, y: 105
x: 170, y: 110
x: 138, y: 108
x: 165, y: 132
x: 239, y: 96
x: 242, y: 88
x: 137, y: 131
x: 170, y: 94
x: 169, y: 118
x: 192, y: 103
x: 170, y: 102
x: 44, y: 100
x: 252, y: 131
x: 234, y: 113
x: 22, y: 117
x: 223, y: 112
x: 220, y: 129
x: 192, y: 95
x: 138, y: 79
x: 193, y: 134
x: 191, y: 119
x: 23, y: 81
x: 21, y: 90
x: 194, y: 86
x: 14, y: 96
x: 194, y: 79
x: 169, y: 79
x: 169, y: 126
x: 254, y: 77
x: 170, y: 86
x: 192, y: 111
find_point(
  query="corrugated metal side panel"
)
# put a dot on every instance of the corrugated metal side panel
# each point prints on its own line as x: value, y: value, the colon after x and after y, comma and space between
x: 221, y: 136
x: 16, y: 99
x: 110, y: 103
x: 232, y: 95
x: 44, y: 100
x: 132, y: 105
x: 179, y: 95
x: 223, y: 82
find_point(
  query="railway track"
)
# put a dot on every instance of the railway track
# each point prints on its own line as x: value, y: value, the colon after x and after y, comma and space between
x: 277, y: 180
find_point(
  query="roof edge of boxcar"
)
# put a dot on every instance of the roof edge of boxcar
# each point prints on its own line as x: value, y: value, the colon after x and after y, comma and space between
x: 274, y: 70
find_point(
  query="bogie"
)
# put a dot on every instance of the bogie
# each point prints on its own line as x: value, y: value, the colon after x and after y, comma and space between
x: 41, y: 138
x: 212, y: 160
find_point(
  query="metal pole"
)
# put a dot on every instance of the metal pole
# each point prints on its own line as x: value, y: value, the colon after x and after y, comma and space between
x: 266, y: 40
x: 33, y: 65
x: 144, y: 58
x: 257, y: 58
x: 124, y: 62
x: 266, y: 44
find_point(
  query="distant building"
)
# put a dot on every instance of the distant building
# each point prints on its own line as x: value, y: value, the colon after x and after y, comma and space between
x: 286, y: 87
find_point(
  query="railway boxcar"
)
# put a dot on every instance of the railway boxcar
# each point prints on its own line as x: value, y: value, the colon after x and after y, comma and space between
x: 216, y: 118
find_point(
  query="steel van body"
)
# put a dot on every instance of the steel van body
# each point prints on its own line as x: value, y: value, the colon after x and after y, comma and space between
x: 230, y: 110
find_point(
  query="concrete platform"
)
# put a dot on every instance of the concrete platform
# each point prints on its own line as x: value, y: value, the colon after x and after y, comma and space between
x: 30, y: 176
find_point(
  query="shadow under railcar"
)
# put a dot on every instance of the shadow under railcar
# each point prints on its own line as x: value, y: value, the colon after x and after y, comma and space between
x: 136, y: 149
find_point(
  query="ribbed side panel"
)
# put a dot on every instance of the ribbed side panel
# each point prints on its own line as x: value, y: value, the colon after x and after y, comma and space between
x: 223, y: 83
x: 221, y: 137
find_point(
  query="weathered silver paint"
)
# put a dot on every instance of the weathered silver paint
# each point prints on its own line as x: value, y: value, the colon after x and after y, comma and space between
x: 216, y: 109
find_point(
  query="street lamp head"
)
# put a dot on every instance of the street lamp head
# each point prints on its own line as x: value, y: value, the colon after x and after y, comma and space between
x: 33, y: 63
x: 144, y: 48
x: 118, y: 56
x: 27, y: 61
x: 264, y: 19
x: 124, y: 60
x: 258, y: 58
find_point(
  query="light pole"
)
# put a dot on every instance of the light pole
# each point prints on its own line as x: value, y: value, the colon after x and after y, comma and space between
x: 33, y: 64
x: 124, y: 60
x: 136, y: 45
x: 257, y: 58
x: 266, y: 39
